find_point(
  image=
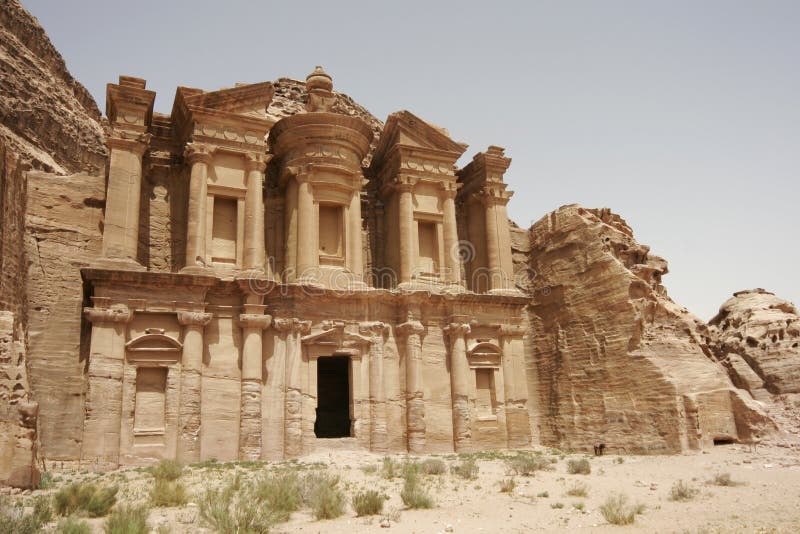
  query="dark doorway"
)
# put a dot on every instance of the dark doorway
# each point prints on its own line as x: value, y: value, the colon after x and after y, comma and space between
x: 333, y: 397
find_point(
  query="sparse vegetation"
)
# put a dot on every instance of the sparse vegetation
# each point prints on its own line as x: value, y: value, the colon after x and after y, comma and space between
x: 127, y: 520
x: 467, y: 469
x: 167, y: 493
x: 167, y: 470
x: 73, y: 525
x: 321, y: 493
x: 507, y: 485
x: 543, y: 495
x: 724, y: 479
x: 619, y: 460
x: 14, y: 519
x: 433, y: 466
x: 389, y: 469
x: 578, y: 489
x: 280, y: 492
x: 46, y: 481
x: 578, y: 466
x: 413, y: 494
x: 87, y: 497
x: 681, y: 491
x: 579, y: 506
x: 557, y: 505
x: 617, y: 511
x: 526, y: 465
x: 368, y: 502
x: 226, y: 512
x: 369, y: 469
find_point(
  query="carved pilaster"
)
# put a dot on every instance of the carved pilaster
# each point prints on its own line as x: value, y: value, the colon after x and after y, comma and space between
x: 253, y: 325
x: 459, y: 376
x: 254, y: 246
x: 293, y: 417
x: 194, y: 323
x: 415, y: 404
x: 102, y: 425
x: 199, y: 156
x: 516, y: 387
x: 377, y: 394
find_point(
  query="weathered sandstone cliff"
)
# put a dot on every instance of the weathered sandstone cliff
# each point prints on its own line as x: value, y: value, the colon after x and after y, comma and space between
x: 613, y: 359
x: 46, y: 116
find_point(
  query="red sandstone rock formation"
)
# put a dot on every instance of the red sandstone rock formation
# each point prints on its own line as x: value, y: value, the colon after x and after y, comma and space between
x: 613, y: 358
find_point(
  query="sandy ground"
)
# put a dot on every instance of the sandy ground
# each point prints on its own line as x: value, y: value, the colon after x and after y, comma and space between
x: 767, y: 498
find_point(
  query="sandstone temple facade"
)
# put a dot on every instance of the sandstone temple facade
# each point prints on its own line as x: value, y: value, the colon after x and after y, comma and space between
x: 311, y: 295
x: 270, y: 267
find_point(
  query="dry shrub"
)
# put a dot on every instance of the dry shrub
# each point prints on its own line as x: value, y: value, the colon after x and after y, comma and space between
x: 413, y: 494
x: 525, y: 465
x: 433, y: 466
x: 468, y: 469
x: 228, y: 512
x: 85, y: 497
x: 507, y: 485
x: 167, y: 470
x: 73, y: 525
x: 280, y: 492
x: 13, y: 518
x: 682, y: 491
x: 127, y: 520
x: 368, y: 502
x: 579, y: 467
x: 322, y: 494
x: 166, y: 493
x: 617, y: 511
x: 578, y: 489
x: 724, y: 479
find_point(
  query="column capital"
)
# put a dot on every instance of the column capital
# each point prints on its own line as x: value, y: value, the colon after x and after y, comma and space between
x: 255, y: 320
x: 458, y: 329
x: 199, y: 153
x: 291, y: 325
x: 492, y: 197
x: 511, y: 330
x: 108, y: 315
x: 410, y: 327
x: 186, y: 318
x: 136, y: 143
x: 372, y: 328
x: 449, y: 190
x: 255, y: 161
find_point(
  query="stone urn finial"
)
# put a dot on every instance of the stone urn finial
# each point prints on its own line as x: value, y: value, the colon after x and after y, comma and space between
x: 319, y: 85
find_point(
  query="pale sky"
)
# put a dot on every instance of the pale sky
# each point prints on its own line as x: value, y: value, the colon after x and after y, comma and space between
x: 681, y: 116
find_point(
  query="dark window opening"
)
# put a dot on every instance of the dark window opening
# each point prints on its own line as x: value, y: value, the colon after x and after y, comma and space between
x: 333, y: 397
x: 723, y: 441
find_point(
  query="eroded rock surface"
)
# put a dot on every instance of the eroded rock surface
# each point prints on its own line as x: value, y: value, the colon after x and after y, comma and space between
x: 616, y: 361
x: 46, y: 116
x: 759, y: 341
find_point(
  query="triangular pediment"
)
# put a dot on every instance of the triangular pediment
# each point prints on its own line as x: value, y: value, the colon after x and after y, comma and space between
x: 405, y: 129
x: 247, y: 99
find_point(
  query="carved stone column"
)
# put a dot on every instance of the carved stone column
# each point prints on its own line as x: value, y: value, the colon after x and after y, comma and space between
x: 102, y: 425
x: 406, y: 208
x: 378, y: 432
x: 121, y: 226
x: 459, y: 382
x: 254, y: 248
x: 415, y: 405
x: 293, y: 418
x: 253, y: 323
x: 191, y: 385
x: 492, y: 243
x: 199, y: 156
x: 450, y: 236
x: 515, y: 387
x: 355, y: 261
x: 307, y: 251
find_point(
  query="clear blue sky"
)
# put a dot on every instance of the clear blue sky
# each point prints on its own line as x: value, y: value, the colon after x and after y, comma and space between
x: 681, y: 116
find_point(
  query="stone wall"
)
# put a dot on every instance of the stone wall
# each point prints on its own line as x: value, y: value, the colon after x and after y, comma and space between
x: 63, y: 233
x: 18, y: 440
x: 615, y: 360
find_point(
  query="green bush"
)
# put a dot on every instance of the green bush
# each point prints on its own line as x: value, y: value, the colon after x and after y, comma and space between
x: 433, y: 466
x: 87, y: 497
x: 127, y: 520
x: 525, y: 465
x: 579, y: 467
x: 73, y: 525
x: 167, y: 470
x: 46, y: 481
x: 413, y: 494
x: 681, y: 492
x: 368, y: 502
x: 468, y: 469
x: 617, y: 511
x: 322, y: 494
x: 166, y: 493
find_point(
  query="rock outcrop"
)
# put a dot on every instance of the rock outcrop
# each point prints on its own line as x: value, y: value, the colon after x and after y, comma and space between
x: 613, y: 358
x: 46, y: 117
x: 759, y: 342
